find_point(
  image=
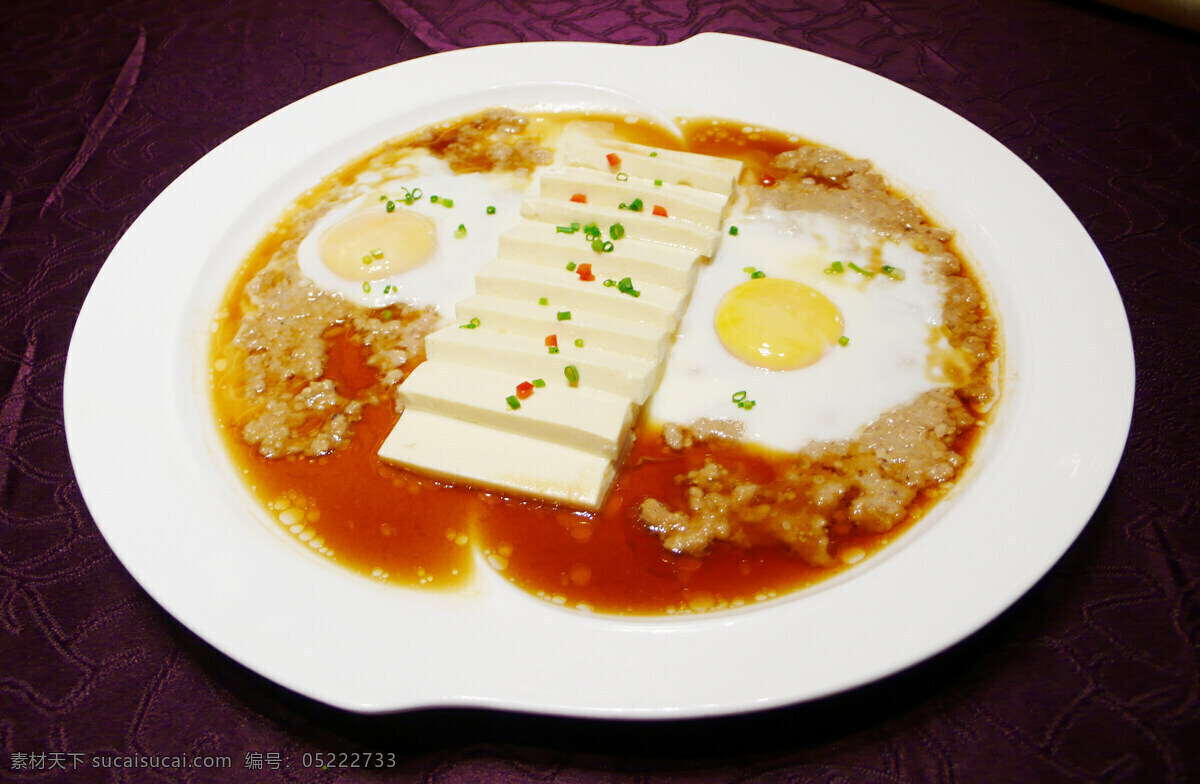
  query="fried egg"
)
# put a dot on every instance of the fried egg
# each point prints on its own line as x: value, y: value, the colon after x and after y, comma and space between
x: 416, y: 234
x: 796, y: 331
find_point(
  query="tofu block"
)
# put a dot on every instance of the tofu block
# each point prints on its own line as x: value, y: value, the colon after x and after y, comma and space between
x: 536, y: 242
x: 578, y: 417
x: 656, y: 306
x: 596, y: 331
x: 704, y: 172
x: 643, y: 225
x: 460, y: 451
x: 602, y: 189
x: 607, y: 371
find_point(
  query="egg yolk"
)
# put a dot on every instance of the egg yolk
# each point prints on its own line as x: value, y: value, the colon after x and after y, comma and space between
x: 377, y: 244
x: 777, y: 324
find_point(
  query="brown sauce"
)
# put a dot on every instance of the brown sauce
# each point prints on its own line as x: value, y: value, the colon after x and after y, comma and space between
x: 402, y: 528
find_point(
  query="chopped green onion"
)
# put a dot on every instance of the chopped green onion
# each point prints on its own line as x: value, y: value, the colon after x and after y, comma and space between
x: 383, y: 197
x: 598, y: 245
x: 733, y: 230
x: 367, y: 259
x: 578, y: 342
x: 570, y: 266
x: 607, y: 247
x: 447, y: 202
x: 543, y: 301
x: 843, y: 341
x: 366, y: 287
x: 893, y: 272
x: 654, y: 155
x: 616, y: 231
x: 636, y: 205
x: 491, y: 210
x: 386, y: 315
x: 747, y: 405
x: 513, y: 403
x: 433, y: 199
x: 377, y: 252
x: 565, y: 229
x: 625, y: 286
x: 622, y: 206
x: 552, y: 349
x: 461, y: 231
x: 539, y: 382
x: 739, y: 396
x: 572, y: 374
x: 610, y: 282
x: 758, y: 274
x: 834, y: 269
x: 860, y: 270
x: 622, y: 176
x: 472, y: 324
x: 391, y: 206
x: 591, y: 231
x: 658, y: 182
x: 564, y: 315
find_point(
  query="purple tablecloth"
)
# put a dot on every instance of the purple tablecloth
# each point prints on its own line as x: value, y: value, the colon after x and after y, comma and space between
x: 1093, y: 676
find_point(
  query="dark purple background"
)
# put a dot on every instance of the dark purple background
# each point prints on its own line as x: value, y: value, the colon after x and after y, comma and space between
x: 1094, y: 676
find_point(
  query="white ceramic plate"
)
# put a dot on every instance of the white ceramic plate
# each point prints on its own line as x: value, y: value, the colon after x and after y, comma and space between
x: 163, y: 495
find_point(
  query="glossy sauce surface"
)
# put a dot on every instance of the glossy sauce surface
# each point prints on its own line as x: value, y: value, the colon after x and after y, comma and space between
x: 396, y: 526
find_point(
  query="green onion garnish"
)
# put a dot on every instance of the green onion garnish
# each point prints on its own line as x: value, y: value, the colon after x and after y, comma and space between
x: 610, y: 282
x: 625, y: 286
x: 461, y: 231
x: 636, y: 205
x: 513, y: 403
x: 472, y: 324
x: 893, y: 272
x: 447, y: 202
x: 391, y: 206
x: 843, y: 341
x: 543, y: 301
x: 658, y: 182
x: 591, y: 231
x: 616, y: 231
x: 739, y: 396
x: 366, y: 287
x: 860, y: 270
x: 622, y: 176
x: 552, y: 349
x: 578, y: 342
x: 570, y: 266
x: 598, y: 245
x: 491, y: 210
x: 538, y: 382
x: 654, y: 155
x: 433, y: 199
x: 572, y: 374
x: 564, y: 315
x: 733, y: 230
x: 377, y: 252
x: 758, y: 274
x: 386, y: 315
x: 834, y: 269
x: 367, y: 259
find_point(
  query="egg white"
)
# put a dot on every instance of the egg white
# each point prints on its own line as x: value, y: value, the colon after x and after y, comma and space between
x: 888, y: 323
x: 449, y: 274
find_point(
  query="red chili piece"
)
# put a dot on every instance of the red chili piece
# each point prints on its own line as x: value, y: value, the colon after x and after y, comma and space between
x: 579, y: 198
x: 613, y: 159
x: 552, y: 340
x: 660, y: 210
x: 524, y: 389
x: 585, y: 272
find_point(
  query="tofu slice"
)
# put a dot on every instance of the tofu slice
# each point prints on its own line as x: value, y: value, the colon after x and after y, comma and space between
x: 704, y: 172
x: 607, y: 371
x: 604, y: 190
x: 643, y: 225
x: 656, y: 306
x: 579, y: 417
x: 596, y: 331
x: 537, y: 242
x: 461, y: 451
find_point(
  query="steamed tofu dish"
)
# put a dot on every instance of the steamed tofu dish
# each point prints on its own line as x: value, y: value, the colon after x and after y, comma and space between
x: 629, y: 372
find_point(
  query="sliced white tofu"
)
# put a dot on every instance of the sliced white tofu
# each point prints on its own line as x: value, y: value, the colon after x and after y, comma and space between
x: 607, y: 371
x: 603, y: 189
x: 643, y: 225
x: 704, y: 172
x: 578, y: 417
x: 596, y: 331
x: 461, y: 451
x: 537, y: 242
x: 656, y: 306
